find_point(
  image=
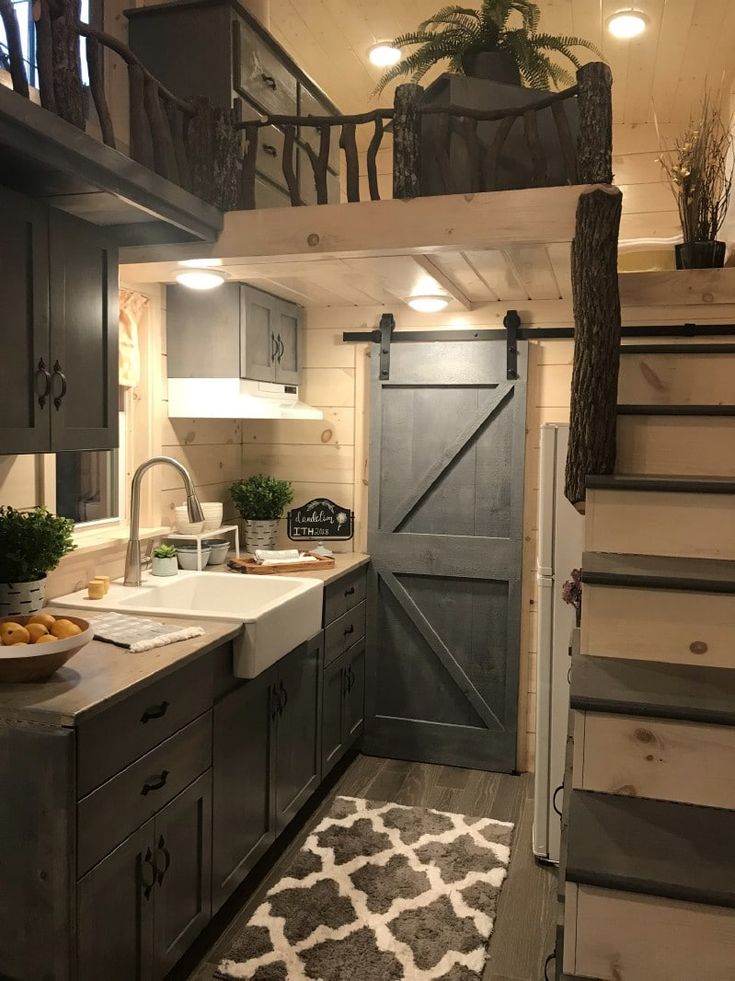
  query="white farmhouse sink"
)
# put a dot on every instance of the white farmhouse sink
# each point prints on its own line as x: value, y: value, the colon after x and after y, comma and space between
x: 277, y: 612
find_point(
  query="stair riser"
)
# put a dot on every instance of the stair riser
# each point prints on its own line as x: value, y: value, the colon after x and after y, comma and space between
x: 616, y: 935
x: 684, y: 762
x: 661, y: 379
x: 660, y: 523
x: 684, y: 445
x: 659, y: 625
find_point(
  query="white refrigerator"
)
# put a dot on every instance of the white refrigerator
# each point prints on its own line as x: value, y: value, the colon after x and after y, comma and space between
x: 560, y: 546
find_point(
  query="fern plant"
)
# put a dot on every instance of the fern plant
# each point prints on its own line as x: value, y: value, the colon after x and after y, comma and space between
x: 455, y: 31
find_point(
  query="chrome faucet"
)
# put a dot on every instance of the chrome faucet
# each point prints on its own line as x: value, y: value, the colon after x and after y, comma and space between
x: 133, y: 562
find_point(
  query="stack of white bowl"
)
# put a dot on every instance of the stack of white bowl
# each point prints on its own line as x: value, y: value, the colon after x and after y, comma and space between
x: 213, y: 511
x: 183, y: 525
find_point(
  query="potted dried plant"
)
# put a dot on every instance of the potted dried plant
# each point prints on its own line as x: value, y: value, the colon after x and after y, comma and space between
x: 32, y: 543
x: 260, y: 502
x: 699, y: 169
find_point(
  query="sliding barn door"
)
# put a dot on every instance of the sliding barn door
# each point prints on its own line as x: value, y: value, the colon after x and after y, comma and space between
x: 445, y: 536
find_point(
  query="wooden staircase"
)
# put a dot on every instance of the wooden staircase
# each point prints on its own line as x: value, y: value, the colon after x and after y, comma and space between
x: 647, y: 878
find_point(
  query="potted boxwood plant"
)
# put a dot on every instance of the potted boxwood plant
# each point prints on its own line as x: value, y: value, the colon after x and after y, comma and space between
x: 483, y: 43
x: 32, y: 543
x: 164, y: 561
x: 260, y: 502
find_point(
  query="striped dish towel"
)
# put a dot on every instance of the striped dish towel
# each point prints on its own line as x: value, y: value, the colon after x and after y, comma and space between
x: 138, y: 634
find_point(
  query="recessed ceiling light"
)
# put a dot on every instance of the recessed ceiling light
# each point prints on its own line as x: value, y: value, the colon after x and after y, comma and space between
x: 200, y: 279
x: 626, y: 24
x: 200, y: 263
x: 428, y: 304
x: 384, y: 54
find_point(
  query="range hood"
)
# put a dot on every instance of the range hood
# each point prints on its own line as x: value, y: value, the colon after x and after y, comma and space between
x: 235, y: 398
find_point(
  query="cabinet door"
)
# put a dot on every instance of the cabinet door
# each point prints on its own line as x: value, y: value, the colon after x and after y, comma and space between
x: 288, y: 319
x: 242, y: 814
x: 354, y: 718
x: 203, y: 332
x: 84, y: 324
x: 257, y: 335
x: 24, y: 361
x: 183, y: 843
x: 298, y: 735
x: 333, y: 714
x: 115, y: 913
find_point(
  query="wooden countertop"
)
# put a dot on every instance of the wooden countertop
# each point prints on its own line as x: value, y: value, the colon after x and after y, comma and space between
x: 102, y: 673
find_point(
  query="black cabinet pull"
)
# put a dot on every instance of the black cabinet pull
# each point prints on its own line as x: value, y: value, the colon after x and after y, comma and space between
x: 156, y: 784
x: 284, y: 699
x: 553, y: 799
x: 157, y: 712
x: 269, y: 80
x: 148, y: 885
x: 350, y: 592
x: 161, y: 847
x: 43, y: 372
x: 59, y: 398
x: 274, y: 348
x: 281, y: 349
x: 349, y: 630
x: 270, y: 150
x: 275, y: 705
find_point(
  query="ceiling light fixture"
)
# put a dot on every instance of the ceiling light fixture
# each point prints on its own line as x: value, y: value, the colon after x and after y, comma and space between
x: 200, y: 263
x: 627, y: 24
x: 427, y: 303
x: 384, y: 54
x: 200, y: 279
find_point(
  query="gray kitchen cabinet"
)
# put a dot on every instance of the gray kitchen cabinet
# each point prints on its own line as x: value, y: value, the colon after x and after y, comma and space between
x: 59, y: 295
x: 235, y: 330
x: 343, y: 705
x: 243, y: 814
x: 298, y: 730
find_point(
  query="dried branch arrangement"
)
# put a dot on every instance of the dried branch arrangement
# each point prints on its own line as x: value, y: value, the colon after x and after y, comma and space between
x: 700, y: 171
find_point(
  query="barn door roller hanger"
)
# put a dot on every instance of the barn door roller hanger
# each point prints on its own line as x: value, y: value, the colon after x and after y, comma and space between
x: 385, y: 334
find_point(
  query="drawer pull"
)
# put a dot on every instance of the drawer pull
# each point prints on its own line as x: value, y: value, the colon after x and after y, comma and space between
x: 350, y: 592
x: 349, y: 630
x: 161, y: 847
x: 270, y: 150
x: 157, y: 712
x: 269, y: 81
x: 148, y: 885
x: 157, y: 784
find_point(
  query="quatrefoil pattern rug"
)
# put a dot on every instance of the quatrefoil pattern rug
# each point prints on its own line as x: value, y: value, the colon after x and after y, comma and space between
x: 380, y: 892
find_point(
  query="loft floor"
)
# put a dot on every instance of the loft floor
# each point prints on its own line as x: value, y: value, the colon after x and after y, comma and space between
x: 524, y: 929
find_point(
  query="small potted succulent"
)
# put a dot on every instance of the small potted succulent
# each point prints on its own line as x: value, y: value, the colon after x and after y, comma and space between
x: 260, y: 502
x: 32, y: 543
x: 164, y: 562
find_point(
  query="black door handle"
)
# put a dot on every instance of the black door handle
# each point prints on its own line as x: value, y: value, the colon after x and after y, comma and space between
x: 281, y: 349
x: 270, y: 150
x: 148, y: 886
x: 350, y: 592
x: 274, y: 348
x: 161, y: 847
x: 157, y: 712
x: 269, y: 80
x: 349, y: 630
x: 59, y: 398
x: 43, y: 371
x: 284, y: 699
x: 156, y: 784
x: 553, y: 799
x: 276, y: 708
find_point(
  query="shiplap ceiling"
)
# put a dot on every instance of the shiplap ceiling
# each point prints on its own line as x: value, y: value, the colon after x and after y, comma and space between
x: 689, y: 43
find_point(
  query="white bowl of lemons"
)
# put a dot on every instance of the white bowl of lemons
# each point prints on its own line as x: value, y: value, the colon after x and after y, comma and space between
x: 33, y: 647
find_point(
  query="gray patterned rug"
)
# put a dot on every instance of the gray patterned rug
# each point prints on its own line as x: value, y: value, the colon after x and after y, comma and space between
x: 380, y: 892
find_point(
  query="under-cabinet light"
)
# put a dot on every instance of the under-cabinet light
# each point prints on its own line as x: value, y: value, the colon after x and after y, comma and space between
x: 200, y: 279
x: 626, y: 24
x: 428, y: 304
x: 200, y: 263
x: 384, y: 54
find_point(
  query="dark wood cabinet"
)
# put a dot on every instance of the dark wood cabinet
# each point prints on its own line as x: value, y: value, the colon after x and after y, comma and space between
x: 343, y: 705
x: 243, y: 812
x: 298, y: 730
x: 59, y: 295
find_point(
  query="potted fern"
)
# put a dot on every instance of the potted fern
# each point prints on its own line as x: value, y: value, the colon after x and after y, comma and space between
x: 499, y: 41
x: 260, y: 502
x: 32, y: 543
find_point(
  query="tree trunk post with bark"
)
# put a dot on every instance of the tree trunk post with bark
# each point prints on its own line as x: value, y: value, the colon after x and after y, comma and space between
x: 595, y: 294
x: 407, y: 141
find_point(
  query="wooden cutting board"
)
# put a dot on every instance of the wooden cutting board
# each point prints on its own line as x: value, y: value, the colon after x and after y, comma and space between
x: 251, y: 567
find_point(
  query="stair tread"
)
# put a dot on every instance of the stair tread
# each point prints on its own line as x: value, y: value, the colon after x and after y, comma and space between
x: 685, y: 692
x: 659, y: 572
x: 634, y: 844
x: 656, y: 409
x: 677, y: 349
x: 662, y: 482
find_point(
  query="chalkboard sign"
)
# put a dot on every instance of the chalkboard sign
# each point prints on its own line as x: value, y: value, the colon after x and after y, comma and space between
x: 320, y: 519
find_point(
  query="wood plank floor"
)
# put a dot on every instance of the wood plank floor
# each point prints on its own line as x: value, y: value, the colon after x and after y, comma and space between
x: 524, y: 931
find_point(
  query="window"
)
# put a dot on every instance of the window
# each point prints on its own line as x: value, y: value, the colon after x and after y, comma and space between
x: 24, y: 13
x: 87, y: 485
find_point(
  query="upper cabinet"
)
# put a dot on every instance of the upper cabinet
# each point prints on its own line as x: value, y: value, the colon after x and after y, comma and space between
x: 221, y: 52
x: 59, y: 296
x: 233, y: 330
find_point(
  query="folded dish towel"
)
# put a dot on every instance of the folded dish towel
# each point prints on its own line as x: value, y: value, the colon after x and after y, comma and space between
x: 137, y: 634
x: 267, y: 556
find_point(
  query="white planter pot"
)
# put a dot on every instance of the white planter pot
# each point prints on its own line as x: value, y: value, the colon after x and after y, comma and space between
x: 167, y: 566
x: 260, y: 534
x: 17, y: 598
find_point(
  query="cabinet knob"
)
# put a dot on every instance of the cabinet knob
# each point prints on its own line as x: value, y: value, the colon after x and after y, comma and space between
x: 350, y: 591
x: 156, y: 712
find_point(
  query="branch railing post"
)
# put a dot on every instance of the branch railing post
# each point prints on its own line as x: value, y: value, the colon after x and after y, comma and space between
x: 15, y: 49
x: 407, y: 141
x: 595, y: 291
